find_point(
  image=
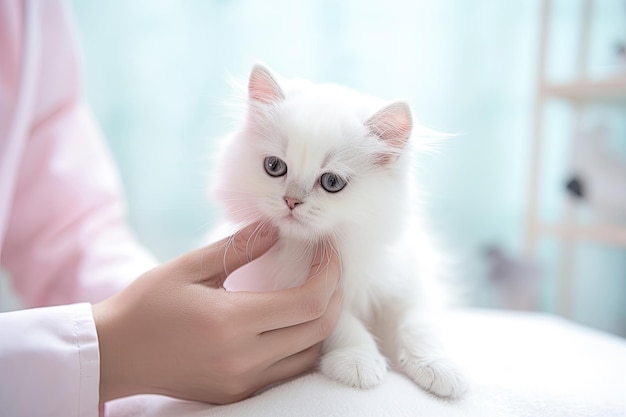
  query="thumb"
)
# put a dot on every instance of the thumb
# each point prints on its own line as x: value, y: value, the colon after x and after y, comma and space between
x: 213, y: 263
x: 244, y: 246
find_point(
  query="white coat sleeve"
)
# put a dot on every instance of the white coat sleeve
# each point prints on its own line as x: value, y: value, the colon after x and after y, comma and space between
x: 49, y: 365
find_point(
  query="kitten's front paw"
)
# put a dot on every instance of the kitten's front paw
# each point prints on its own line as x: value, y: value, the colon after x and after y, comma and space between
x: 437, y: 375
x: 357, y: 367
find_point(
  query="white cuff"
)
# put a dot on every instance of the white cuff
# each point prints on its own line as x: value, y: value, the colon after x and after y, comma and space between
x: 50, y: 362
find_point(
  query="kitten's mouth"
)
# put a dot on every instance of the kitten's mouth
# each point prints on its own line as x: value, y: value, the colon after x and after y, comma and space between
x: 291, y: 218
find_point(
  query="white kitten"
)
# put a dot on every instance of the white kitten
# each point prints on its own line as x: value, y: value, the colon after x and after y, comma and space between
x: 322, y: 162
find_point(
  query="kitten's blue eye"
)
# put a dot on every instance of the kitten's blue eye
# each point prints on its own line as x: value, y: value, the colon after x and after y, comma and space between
x: 274, y: 166
x: 332, y: 183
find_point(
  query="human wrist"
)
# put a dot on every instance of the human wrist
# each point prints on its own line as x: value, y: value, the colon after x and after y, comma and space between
x: 111, y: 379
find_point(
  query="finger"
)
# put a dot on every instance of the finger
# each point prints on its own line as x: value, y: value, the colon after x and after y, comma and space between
x: 213, y: 263
x: 246, y: 245
x: 277, y: 309
x: 291, y: 366
x: 287, y: 341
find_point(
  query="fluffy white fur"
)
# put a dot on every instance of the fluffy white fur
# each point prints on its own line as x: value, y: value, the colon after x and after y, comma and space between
x: 389, y: 264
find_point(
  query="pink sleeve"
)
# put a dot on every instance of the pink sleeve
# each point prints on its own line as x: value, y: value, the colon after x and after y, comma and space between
x: 63, y: 231
x: 66, y: 238
x: 50, y: 362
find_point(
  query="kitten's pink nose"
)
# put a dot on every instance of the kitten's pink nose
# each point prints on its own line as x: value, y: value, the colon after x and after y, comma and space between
x: 292, y: 202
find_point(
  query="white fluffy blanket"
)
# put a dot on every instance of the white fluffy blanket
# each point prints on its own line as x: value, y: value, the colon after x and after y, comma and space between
x: 519, y: 364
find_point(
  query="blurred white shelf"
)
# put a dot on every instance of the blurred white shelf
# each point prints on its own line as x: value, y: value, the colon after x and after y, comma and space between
x: 612, y: 235
x: 608, y: 90
x: 582, y: 90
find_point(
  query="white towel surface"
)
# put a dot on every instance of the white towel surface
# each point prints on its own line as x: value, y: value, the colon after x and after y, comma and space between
x: 519, y: 365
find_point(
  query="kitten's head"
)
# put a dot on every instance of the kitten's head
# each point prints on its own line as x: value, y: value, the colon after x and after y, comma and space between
x: 313, y: 158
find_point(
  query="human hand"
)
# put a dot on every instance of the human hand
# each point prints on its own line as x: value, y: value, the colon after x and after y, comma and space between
x: 175, y: 331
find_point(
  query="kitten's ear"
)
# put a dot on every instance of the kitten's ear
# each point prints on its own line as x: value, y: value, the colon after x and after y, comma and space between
x: 263, y: 87
x: 392, y: 125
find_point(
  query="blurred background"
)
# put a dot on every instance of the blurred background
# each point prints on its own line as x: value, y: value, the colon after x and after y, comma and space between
x: 156, y: 75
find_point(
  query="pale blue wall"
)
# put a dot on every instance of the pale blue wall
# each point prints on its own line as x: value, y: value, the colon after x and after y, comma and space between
x: 156, y: 77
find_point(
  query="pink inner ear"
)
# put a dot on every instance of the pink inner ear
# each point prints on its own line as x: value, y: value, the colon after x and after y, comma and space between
x: 262, y: 86
x: 392, y: 124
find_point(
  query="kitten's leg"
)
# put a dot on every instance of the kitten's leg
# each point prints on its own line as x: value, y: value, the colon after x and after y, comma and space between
x: 351, y: 355
x: 411, y: 342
